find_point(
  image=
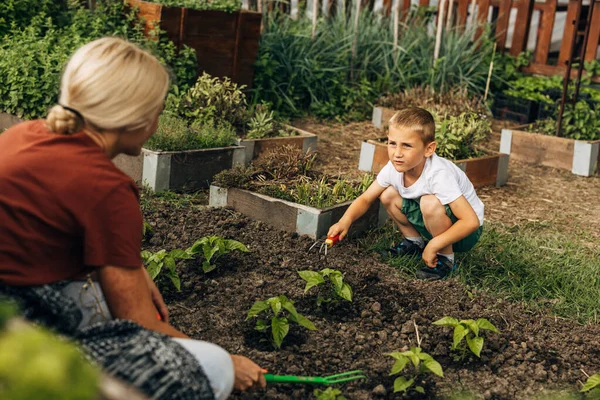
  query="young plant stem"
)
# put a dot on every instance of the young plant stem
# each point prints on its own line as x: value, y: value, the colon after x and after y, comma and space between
x: 489, y: 78
x: 417, y: 332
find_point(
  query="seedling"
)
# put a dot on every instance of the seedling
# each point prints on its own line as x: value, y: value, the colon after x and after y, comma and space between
x: 155, y: 262
x: 469, y: 330
x: 338, y: 289
x: 328, y: 394
x: 213, y: 247
x: 422, y: 364
x: 592, y: 383
x: 277, y: 312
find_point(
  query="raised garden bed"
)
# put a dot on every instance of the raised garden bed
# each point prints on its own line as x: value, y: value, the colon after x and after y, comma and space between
x: 226, y: 44
x: 187, y: 170
x: 303, y: 140
x: 578, y: 156
x: 490, y: 169
x: 293, y: 217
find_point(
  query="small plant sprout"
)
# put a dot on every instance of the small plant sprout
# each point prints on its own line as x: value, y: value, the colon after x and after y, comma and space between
x: 338, y: 289
x: 155, y: 262
x: 422, y: 363
x: 277, y: 312
x: 213, y: 247
x: 328, y: 394
x: 469, y: 330
x: 592, y: 383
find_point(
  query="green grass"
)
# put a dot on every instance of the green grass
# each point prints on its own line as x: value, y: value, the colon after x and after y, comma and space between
x: 531, y: 263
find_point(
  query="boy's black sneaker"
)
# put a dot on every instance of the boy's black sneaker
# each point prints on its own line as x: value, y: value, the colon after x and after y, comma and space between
x: 443, y: 268
x: 405, y: 248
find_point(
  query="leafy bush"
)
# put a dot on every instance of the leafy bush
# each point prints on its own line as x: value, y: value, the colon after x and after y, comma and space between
x: 174, y: 134
x: 457, y: 137
x: 32, y: 58
x: 277, y: 312
x: 453, y: 102
x: 328, y: 394
x: 296, y: 73
x: 155, y: 262
x: 215, y: 5
x: 422, y: 363
x: 337, y: 288
x: 580, y: 122
x: 17, y: 14
x: 213, y: 247
x: 467, y: 329
x: 35, y: 364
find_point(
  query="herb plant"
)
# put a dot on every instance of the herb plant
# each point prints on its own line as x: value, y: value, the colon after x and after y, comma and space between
x: 276, y: 313
x: 214, y: 5
x: 213, y: 247
x: 592, y: 383
x: 422, y: 363
x: 580, y: 122
x: 469, y: 330
x: 337, y: 289
x: 328, y: 394
x: 457, y: 137
x: 155, y: 262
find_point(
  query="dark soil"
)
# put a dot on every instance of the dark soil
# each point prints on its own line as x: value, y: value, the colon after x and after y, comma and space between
x: 533, y: 352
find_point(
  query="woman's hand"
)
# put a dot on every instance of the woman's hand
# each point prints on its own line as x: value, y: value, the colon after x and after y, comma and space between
x: 247, y: 374
x: 157, y: 298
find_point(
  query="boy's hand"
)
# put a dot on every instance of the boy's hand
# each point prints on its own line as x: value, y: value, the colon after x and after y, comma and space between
x: 430, y: 255
x: 341, y: 228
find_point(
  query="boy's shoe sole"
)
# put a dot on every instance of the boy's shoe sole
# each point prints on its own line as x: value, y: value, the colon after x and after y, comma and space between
x: 405, y: 248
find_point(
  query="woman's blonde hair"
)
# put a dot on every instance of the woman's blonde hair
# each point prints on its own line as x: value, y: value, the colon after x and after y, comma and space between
x: 110, y: 85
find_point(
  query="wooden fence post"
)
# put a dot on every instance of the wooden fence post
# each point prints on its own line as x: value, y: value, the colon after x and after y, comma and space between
x: 544, y: 36
x: 522, y: 24
x: 573, y: 13
x: 502, y: 23
x: 482, y: 16
x: 594, y: 37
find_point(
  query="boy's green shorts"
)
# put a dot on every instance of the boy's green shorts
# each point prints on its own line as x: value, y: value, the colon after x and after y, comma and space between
x: 412, y: 209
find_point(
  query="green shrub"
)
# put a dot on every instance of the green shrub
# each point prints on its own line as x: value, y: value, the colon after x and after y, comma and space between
x: 17, y: 14
x: 174, y: 134
x: 580, y: 122
x: 32, y: 58
x: 457, y: 137
x: 215, y: 5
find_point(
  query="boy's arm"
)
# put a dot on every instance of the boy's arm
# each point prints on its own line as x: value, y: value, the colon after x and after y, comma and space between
x: 356, y: 210
x: 467, y: 223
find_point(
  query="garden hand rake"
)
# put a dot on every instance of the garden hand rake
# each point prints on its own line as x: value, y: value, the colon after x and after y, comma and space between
x: 321, y: 246
x: 317, y: 380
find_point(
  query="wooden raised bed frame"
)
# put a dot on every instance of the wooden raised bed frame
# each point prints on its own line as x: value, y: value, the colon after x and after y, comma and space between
x: 293, y: 217
x: 305, y: 141
x: 226, y: 44
x: 578, y: 156
x: 481, y: 171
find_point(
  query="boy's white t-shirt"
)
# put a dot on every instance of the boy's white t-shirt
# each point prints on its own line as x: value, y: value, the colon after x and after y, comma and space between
x: 440, y: 177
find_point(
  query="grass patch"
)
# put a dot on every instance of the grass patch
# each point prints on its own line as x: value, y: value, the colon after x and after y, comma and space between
x: 531, y: 263
x: 149, y: 201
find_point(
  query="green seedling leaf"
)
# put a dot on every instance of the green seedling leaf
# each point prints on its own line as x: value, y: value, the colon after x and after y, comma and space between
x: 261, y: 325
x: 459, y: 333
x: 487, y: 325
x: 346, y: 292
x: 305, y: 322
x: 337, y: 279
x: 174, y: 279
x: 401, y: 384
x: 591, y: 383
x: 419, y: 389
x: 154, y: 269
x: 312, y: 279
x: 279, y: 328
x: 446, y: 321
x: 257, y: 308
x: 275, y: 304
x: 399, y: 365
x: 433, y: 366
x: 232, y: 245
x: 472, y: 325
x: 475, y: 344
x: 179, y: 254
x: 397, y: 355
x: 207, y: 266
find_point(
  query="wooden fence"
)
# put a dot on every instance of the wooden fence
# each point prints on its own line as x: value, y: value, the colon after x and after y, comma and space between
x: 464, y: 12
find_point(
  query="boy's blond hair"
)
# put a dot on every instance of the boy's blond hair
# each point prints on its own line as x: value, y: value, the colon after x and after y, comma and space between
x: 416, y: 119
x: 110, y: 85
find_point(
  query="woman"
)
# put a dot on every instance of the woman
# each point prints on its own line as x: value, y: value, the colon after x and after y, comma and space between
x: 68, y: 214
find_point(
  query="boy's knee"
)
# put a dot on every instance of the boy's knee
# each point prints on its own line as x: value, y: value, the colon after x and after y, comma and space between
x: 389, y: 197
x: 431, y: 206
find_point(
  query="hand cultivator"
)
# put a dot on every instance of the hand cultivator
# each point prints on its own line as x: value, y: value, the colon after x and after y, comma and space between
x: 317, y: 380
x: 321, y: 246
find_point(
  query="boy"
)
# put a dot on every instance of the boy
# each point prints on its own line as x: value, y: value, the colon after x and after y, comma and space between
x: 426, y: 195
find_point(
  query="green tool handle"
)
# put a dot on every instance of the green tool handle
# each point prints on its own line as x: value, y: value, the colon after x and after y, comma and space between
x: 294, y: 379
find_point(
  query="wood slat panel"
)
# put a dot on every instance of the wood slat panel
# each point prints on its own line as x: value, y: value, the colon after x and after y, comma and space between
x: 481, y: 171
x: 545, y: 28
x: 522, y: 23
x: 573, y: 13
x: 545, y: 150
x: 544, y: 69
x: 462, y: 12
x: 502, y: 24
x: 483, y: 9
x: 380, y: 156
x: 271, y: 211
x: 594, y: 37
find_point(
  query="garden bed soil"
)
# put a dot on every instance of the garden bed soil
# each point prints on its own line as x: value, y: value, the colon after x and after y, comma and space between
x: 533, y: 352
